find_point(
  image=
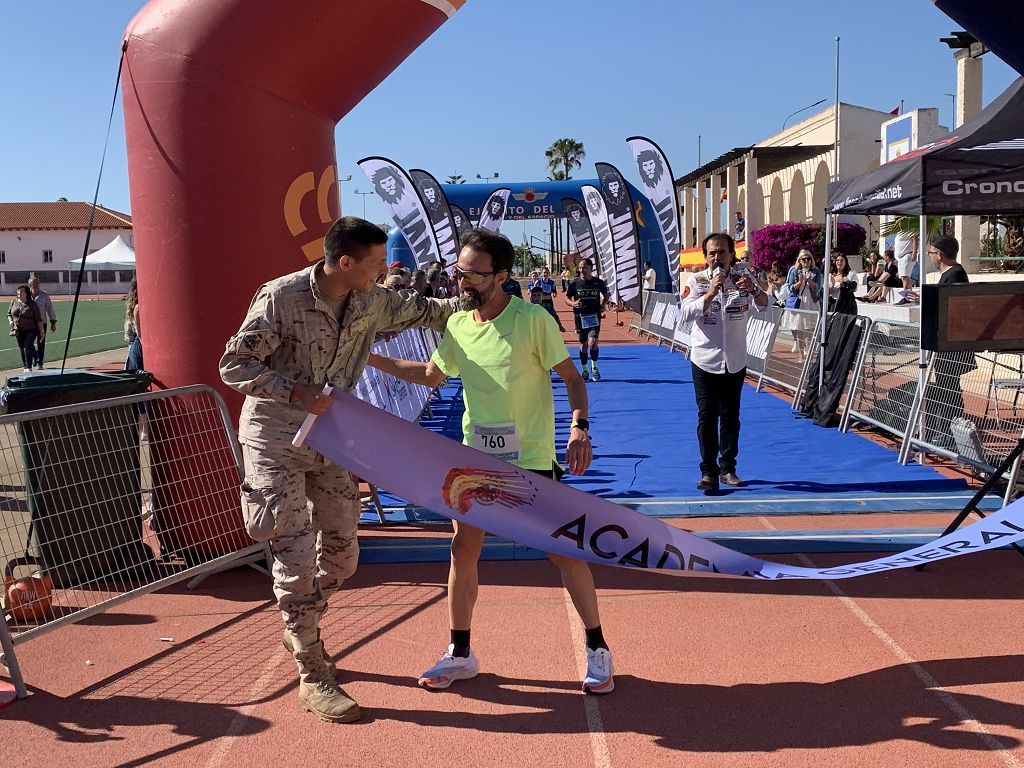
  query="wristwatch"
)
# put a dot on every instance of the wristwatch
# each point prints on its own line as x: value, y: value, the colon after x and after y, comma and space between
x: 580, y: 424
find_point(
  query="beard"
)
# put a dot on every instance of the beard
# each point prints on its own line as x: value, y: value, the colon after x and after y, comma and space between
x: 472, y: 299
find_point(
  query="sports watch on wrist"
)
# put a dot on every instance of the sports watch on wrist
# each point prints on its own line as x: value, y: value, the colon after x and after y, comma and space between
x: 580, y: 424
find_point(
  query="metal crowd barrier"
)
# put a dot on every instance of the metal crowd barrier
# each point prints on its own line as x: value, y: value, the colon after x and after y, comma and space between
x: 762, y: 328
x: 105, y: 501
x: 397, y: 397
x: 660, y: 317
x: 642, y: 323
x: 958, y: 414
x: 796, y: 333
x: 883, y: 394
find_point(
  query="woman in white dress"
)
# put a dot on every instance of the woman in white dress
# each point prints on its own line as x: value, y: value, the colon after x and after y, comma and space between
x: 803, y: 281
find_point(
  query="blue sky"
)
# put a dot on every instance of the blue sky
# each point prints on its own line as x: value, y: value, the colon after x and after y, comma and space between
x: 521, y: 75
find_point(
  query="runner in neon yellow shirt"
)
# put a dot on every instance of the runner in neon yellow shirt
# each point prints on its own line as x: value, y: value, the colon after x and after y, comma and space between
x: 504, y: 350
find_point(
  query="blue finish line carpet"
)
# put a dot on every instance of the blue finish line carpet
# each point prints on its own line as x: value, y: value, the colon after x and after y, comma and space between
x: 643, y: 425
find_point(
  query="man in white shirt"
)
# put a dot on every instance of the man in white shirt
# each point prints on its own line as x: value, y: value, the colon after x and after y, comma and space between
x: 717, y: 301
x: 42, y: 300
x: 905, y: 247
x: 650, y: 276
x: 650, y: 279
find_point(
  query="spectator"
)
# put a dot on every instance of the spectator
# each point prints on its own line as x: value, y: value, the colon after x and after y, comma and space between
x: 905, y: 247
x: 758, y: 275
x: 396, y: 271
x: 889, y: 279
x: 419, y: 283
x: 945, y: 395
x: 434, y: 285
x: 133, y: 329
x: 445, y: 283
x: 739, y: 229
x: 842, y: 284
x: 26, y: 324
x: 133, y: 335
x: 650, y: 276
x: 42, y: 300
x: 803, y: 281
x: 777, y: 290
x: 873, y: 268
x: 566, y: 277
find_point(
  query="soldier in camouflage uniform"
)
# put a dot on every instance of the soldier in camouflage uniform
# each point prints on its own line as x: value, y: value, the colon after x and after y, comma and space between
x: 304, y: 330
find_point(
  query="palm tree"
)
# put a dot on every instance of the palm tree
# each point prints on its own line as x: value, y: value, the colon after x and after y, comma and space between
x: 562, y: 156
x: 456, y: 179
x: 909, y: 225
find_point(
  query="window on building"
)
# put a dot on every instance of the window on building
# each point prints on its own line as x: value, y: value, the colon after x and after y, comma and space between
x: 47, y: 257
x: 3, y: 257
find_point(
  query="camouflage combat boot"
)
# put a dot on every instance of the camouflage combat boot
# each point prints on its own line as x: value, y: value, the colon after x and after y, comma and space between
x: 319, y: 692
x: 291, y: 644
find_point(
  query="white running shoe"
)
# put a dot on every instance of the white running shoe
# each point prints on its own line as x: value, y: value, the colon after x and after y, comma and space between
x: 599, y: 678
x: 448, y: 669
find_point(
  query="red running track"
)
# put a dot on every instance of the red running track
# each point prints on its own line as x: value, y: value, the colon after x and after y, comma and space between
x: 904, y: 668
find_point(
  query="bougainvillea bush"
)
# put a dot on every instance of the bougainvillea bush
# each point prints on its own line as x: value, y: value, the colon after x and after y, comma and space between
x: 782, y: 242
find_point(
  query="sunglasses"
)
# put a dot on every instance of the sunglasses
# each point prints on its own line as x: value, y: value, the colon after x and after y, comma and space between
x: 471, y: 277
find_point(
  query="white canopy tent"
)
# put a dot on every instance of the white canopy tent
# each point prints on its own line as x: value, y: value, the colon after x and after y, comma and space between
x: 116, y: 256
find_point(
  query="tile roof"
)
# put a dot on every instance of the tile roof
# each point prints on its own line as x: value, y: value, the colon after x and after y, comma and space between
x: 60, y: 215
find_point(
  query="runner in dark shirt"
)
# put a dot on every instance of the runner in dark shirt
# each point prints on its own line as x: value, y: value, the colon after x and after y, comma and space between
x: 512, y: 287
x: 588, y: 296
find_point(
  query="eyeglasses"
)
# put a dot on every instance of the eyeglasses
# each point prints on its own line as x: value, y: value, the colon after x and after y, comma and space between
x: 805, y: 258
x: 471, y: 277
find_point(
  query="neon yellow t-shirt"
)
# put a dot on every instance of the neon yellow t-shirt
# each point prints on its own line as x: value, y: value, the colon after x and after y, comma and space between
x: 505, y: 366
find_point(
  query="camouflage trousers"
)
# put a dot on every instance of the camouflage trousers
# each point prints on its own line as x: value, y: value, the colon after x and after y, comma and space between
x: 310, y: 512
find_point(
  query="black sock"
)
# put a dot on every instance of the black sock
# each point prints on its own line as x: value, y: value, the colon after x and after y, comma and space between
x: 595, y: 639
x: 594, y: 353
x: 460, y: 642
x: 583, y: 357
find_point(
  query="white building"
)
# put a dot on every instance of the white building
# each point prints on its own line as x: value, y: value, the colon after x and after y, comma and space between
x: 41, y: 239
x: 784, y: 177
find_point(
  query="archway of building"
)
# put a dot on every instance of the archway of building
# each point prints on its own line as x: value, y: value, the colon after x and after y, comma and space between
x: 819, y: 190
x: 797, y: 198
x: 776, y: 203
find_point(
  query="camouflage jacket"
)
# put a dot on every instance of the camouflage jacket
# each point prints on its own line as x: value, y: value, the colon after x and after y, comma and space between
x: 290, y: 336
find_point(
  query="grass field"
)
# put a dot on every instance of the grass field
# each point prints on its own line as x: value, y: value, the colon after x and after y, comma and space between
x: 99, y: 326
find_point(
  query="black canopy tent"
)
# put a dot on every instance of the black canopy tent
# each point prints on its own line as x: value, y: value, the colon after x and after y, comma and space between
x: 976, y: 169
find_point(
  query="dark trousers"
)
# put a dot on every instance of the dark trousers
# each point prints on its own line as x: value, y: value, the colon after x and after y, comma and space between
x: 40, y: 350
x: 718, y: 418
x: 27, y: 345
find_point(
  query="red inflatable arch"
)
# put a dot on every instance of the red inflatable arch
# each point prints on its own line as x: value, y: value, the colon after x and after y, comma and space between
x: 230, y: 108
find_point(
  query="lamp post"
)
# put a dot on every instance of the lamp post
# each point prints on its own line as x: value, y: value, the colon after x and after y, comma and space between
x: 487, y: 178
x: 364, y: 194
x: 340, y: 182
x: 819, y: 101
x: 952, y: 122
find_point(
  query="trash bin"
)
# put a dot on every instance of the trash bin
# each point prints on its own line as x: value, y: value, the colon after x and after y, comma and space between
x: 82, y: 475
